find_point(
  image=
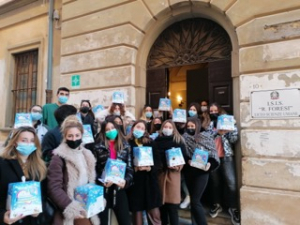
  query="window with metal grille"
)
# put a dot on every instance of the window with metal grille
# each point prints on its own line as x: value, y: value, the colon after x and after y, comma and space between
x: 25, y: 82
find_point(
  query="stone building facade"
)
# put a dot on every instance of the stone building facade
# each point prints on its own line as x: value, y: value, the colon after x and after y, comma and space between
x: 108, y: 42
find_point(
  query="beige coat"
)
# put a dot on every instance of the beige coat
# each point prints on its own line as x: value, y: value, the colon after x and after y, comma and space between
x: 169, y: 182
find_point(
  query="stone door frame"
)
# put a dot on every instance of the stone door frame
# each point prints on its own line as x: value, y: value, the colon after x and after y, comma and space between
x: 180, y: 12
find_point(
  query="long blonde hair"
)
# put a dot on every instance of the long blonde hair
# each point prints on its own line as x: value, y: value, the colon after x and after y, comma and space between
x: 176, y: 136
x: 143, y: 114
x: 36, y: 166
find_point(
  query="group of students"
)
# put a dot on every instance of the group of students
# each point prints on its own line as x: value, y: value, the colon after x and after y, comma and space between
x: 62, y: 162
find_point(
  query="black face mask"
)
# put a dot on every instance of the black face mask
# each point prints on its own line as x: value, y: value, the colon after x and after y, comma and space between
x: 84, y: 109
x: 191, y: 131
x: 180, y: 128
x: 74, y: 144
x: 157, y: 126
x: 121, y: 127
x: 214, y: 116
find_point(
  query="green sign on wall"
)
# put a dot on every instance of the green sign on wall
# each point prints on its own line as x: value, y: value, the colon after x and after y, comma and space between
x: 75, y: 81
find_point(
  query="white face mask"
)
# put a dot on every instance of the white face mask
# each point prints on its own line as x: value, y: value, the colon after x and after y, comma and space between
x: 203, y: 108
x: 117, y: 113
x: 167, y: 131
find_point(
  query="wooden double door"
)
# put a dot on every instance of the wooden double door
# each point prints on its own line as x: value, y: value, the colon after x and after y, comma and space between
x: 212, y: 82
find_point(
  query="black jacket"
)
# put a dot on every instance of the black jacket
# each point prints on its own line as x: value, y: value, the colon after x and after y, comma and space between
x: 145, y: 186
x: 101, y: 152
x: 51, y: 141
x: 11, y: 172
x: 163, y: 143
x: 88, y: 119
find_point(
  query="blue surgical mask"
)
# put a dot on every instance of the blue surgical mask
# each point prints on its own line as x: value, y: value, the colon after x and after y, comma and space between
x: 192, y: 113
x: 148, y: 114
x: 138, y: 133
x: 25, y: 148
x: 63, y: 99
x: 36, y: 116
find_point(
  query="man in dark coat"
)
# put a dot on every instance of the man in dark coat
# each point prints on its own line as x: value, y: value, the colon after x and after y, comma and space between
x: 54, y: 137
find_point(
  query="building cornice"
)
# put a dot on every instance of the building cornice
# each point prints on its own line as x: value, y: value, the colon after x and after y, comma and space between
x: 14, y: 5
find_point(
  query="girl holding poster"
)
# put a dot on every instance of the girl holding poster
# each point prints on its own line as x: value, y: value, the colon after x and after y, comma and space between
x: 21, y: 157
x: 71, y: 166
x: 145, y: 177
x: 169, y: 176
x: 225, y: 176
x: 197, y: 177
x: 111, y: 144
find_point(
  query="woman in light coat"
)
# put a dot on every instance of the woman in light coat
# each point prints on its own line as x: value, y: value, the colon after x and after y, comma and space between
x: 71, y: 166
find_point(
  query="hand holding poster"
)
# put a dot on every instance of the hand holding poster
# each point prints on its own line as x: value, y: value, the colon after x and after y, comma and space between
x: 23, y: 120
x: 118, y: 97
x: 164, y: 104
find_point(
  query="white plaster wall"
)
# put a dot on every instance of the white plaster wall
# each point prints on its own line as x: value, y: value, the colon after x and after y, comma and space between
x: 271, y: 143
x: 268, y: 81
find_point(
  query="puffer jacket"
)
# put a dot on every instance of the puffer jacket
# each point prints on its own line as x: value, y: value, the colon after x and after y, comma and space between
x: 101, y: 153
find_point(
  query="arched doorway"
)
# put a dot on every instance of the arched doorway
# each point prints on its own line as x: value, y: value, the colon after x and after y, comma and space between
x: 190, y: 61
x: 166, y: 18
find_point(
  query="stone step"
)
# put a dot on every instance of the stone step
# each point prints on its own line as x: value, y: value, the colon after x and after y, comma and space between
x: 222, y: 219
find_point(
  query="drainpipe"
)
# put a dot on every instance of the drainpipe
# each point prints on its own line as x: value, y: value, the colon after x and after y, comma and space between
x: 50, y: 53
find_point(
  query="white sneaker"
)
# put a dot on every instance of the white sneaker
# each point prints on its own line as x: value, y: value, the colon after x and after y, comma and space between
x: 185, y: 203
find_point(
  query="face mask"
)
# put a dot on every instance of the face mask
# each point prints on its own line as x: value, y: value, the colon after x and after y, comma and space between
x: 190, y: 131
x: 180, y: 129
x: 112, y: 134
x: 214, y: 116
x: 63, y: 99
x: 121, y: 128
x: 157, y: 126
x: 25, y: 149
x: 138, y: 133
x: 203, y: 108
x: 167, y: 131
x: 192, y: 113
x: 74, y: 144
x: 84, y: 109
x: 148, y: 114
x: 117, y: 113
x: 36, y: 116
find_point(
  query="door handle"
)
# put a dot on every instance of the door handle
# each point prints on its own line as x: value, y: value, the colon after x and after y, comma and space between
x: 221, y: 92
